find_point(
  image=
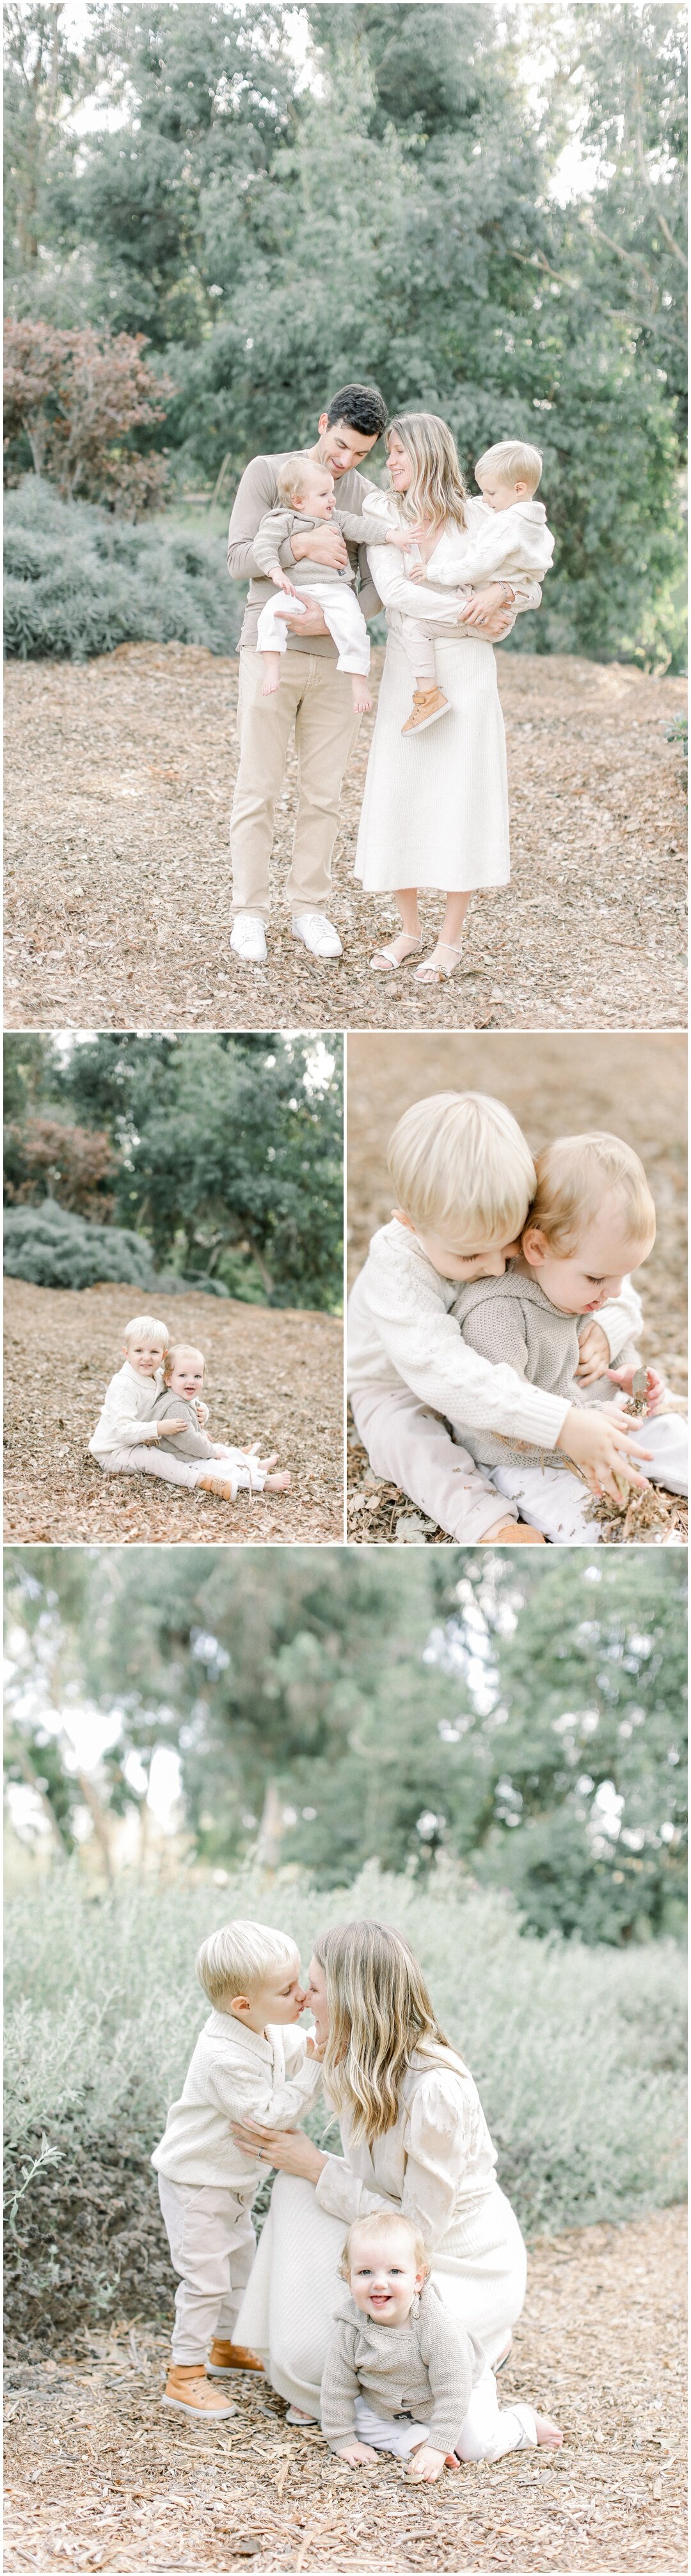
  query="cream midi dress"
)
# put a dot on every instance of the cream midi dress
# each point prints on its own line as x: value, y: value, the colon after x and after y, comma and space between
x: 438, y: 2166
x: 435, y: 810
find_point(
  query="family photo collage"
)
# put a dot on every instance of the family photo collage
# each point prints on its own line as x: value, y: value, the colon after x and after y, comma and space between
x: 345, y: 1298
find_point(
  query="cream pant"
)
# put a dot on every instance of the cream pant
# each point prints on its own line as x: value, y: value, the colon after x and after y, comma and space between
x: 487, y: 2431
x: 341, y: 614
x: 412, y: 1447
x: 149, y: 1460
x: 212, y: 2246
x: 555, y: 1501
x: 314, y: 696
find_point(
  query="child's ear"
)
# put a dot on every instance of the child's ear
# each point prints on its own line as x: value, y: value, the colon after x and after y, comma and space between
x: 240, y: 2006
x: 535, y: 1246
x: 402, y: 1219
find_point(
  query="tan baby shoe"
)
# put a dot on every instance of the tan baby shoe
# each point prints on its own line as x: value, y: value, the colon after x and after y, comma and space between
x: 187, y: 2386
x: 428, y: 704
x: 224, y: 2358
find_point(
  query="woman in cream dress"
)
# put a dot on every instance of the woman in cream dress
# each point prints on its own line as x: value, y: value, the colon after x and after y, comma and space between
x: 435, y: 809
x: 413, y: 2136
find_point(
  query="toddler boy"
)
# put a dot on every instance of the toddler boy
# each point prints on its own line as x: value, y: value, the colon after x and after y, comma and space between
x: 402, y: 2375
x: 592, y: 1219
x: 128, y: 1437
x: 250, y: 2063
x: 177, y: 1407
x: 512, y: 544
x: 464, y: 1180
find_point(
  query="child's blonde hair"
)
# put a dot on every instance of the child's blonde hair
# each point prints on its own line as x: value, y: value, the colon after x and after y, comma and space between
x: 290, y: 479
x: 238, y: 1959
x: 458, y: 1160
x: 174, y: 1353
x: 513, y: 462
x: 574, y: 1175
x: 146, y: 1328
x: 437, y: 491
x: 384, y: 2222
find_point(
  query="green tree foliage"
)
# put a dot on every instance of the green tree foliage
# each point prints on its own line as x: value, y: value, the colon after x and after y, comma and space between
x: 528, y: 1724
x: 226, y: 1155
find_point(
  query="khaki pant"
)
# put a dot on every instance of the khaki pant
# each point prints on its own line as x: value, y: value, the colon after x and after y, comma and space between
x: 317, y: 699
x: 412, y: 1447
x: 212, y: 2245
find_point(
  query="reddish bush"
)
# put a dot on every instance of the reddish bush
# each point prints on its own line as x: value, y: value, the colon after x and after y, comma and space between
x: 79, y: 398
x: 70, y: 1164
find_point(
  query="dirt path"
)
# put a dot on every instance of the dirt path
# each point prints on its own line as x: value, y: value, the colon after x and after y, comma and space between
x: 119, y: 779
x: 635, y: 1087
x: 273, y: 1375
x: 100, y: 2477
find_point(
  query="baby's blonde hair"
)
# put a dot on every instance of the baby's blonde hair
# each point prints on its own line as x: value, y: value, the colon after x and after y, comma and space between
x: 238, y: 1959
x: 573, y: 1177
x: 146, y: 1328
x: 174, y: 1353
x: 383, y: 2222
x: 459, y: 1160
x: 290, y: 479
x: 437, y: 491
x: 512, y: 462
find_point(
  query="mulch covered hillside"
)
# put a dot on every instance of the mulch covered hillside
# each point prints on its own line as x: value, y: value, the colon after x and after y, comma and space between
x: 119, y: 779
x: 100, y: 2477
x: 271, y: 1374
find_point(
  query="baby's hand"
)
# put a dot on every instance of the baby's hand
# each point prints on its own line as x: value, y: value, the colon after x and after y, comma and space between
x: 594, y: 1354
x: 281, y: 582
x: 603, y: 1444
x: 357, y: 2454
x: 655, y: 1390
x: 201, y: 1410
x: 427, y: 2464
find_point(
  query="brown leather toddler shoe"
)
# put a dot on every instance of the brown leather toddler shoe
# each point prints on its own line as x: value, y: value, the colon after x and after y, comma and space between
x: 428, y: 704
x: 224, y: 2358
x: 187, y: 2386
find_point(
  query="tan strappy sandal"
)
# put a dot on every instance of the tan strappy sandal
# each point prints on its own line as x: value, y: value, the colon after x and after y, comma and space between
x: 434, y: 970
x: 385, y: 960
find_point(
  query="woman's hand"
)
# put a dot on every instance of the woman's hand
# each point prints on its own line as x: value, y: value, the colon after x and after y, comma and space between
x: 593, y: 1354
x: 427, y: 2464
x: 290, y: 2150
x: 357, y: 2454
x: 483, y: 604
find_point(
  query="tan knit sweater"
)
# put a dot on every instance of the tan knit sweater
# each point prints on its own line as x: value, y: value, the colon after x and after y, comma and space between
x: 512, y: 1323
x: 278, y: 528
x: 425, y: 2369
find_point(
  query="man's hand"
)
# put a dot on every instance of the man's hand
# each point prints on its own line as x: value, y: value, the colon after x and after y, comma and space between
x: 313, y: 623
x: 357, y: 2454
x: 604, y: 1443
x: 426, y: 2464
x: 483, y: 604
x: 655, y: 1390
x: 593, y: 1354
x: 324, y: 545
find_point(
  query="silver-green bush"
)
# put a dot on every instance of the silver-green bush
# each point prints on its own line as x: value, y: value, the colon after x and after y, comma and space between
x: 53, y: 1248
x: 78, y: 582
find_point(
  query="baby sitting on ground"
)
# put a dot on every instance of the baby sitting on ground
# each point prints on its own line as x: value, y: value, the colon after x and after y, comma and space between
x: 401, y: 2375
x: 178, y: 1407
x: 305, y: 493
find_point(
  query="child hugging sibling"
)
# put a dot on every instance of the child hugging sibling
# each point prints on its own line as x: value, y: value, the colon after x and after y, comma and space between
x: 250, y: 2063
x: 156, y: 1398
x: 476, y: 1365
x: 401, y: 2375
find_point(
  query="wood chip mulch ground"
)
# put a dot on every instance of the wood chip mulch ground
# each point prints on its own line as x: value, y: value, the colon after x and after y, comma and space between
x: 100, y: 2477
x: 565, y: 1084
x: 119, y: 776
x: 272, y: 1374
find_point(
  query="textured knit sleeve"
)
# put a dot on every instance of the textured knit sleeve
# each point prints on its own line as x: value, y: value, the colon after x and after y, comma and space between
x: 273, y: 533
x: 495, y: 1329
x: 423, y: 1343
x: 441, y: 2142
x: 447, y: 2357
x: 340, y: 2386
x: 248, y: 2092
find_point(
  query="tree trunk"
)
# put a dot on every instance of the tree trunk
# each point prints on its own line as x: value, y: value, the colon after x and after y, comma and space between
x: 270, y: 1837
x: 20, y: 1753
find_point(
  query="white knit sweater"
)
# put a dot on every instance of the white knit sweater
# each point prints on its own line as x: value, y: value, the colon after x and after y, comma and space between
x: 505, y: 544
x: 401, y: 1332
x: 451, y: 555
x: 235, y: 2074
x: 126, y: 1414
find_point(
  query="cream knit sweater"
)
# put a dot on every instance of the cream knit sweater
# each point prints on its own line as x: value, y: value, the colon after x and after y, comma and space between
x: 403, y: 1330
x: 126, y: 1416
x: 426, y: 2369
x: 235, y: 2074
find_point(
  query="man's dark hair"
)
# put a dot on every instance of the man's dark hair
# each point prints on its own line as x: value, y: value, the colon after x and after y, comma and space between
x: 362, y: 406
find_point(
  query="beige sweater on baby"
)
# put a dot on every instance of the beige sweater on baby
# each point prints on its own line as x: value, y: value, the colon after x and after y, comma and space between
x: 280, y: 526
x: 512, y: 1323
x: 425, y: 2369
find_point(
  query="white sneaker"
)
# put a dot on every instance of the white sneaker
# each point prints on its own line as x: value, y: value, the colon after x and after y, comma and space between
x: 248, y: 938
x: 318, y: 934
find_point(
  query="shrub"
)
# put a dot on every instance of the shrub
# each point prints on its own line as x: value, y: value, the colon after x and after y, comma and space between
x: 78, y: 1161
x: 78, y: 582
x: 578, y: 2055
x: 54, y: 1249
x: 77, y: 396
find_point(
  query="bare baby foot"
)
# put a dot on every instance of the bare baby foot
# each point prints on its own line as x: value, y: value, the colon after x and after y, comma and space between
x: 548, y: 2433
x: 272, y: 666
x: 278, y: 1484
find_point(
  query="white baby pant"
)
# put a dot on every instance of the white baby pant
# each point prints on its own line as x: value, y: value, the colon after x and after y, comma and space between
x: 212, y: 2246
x: 410, y: 1446
x: 341, y: 614
x: 487, y: 2431
x: 151, y: 1460
x: 555, y: 1502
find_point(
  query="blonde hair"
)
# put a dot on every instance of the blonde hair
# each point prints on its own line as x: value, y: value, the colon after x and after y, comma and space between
x: 459, y: 1160
x: 238, y: 1959
x: 437, y: 491
x: 512, y: 462
x: 146, y: 1328
x: 290, y: 479
x: 379, y: 2011
x: 174, y: 1353
x: 384, y: 2222
x: 574, y: 1175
